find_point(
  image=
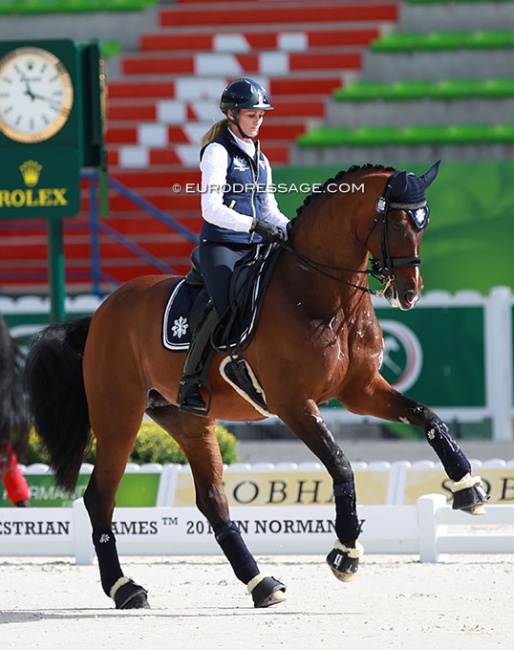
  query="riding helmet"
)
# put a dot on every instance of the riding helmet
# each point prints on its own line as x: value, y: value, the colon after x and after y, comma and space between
x: 245, y: 93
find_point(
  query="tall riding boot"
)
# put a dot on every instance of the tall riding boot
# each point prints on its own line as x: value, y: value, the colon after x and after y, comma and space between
x: 196, y: 366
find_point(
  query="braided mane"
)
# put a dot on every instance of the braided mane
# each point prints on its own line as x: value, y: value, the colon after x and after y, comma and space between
x: 341, y: 174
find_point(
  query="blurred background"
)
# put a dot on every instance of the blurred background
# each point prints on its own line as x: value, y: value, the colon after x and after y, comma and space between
x: 400, y: 83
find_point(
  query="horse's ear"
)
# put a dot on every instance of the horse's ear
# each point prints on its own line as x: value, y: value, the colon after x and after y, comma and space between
x: 398, y: 184
x: 429, y: 176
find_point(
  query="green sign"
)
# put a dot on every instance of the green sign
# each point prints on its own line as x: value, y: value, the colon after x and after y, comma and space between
x: 40, y: 183
x: 52, y: 114
x: 436, y: 355
x: 137, y: 489
x: 41, y: 129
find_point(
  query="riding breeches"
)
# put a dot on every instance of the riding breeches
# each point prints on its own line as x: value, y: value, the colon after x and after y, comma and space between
x: 217, y: 262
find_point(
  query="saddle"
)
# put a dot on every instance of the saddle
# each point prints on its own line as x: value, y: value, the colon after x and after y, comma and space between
x: 234, y: 333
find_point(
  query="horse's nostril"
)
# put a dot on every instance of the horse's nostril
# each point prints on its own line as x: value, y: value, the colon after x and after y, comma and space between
x: 410, y: 296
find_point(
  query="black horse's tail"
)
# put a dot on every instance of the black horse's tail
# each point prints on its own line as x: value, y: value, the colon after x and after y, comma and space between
x: 14, y: 419
x: 57, y: 399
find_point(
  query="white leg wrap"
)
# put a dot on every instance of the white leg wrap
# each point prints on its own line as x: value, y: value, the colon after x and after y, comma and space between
x: 356, y: 552
x: 465, y: 483
x: 119, y: 583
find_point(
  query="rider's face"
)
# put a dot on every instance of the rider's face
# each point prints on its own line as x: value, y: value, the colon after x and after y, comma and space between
x: 250, y: 121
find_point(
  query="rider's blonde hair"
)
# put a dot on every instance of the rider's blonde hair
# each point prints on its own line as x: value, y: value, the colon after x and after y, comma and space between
x: 214, y: 132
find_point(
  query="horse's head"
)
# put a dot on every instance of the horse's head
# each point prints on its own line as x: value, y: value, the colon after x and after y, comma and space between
x: 394, y: 237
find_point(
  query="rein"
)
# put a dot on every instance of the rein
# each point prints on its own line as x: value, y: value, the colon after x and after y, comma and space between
x: 324, y: 268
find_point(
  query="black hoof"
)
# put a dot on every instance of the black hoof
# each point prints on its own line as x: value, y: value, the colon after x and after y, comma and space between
x: 131, y: 596
x: 469, y: 496
x: 267, y: 592
x: 344, y: 562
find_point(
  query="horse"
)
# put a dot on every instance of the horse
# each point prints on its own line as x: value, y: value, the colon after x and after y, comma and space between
x: 14, y: 419
x: 317, y: 338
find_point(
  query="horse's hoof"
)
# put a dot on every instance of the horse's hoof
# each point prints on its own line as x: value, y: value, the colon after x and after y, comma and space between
x: 127, y: 594
x: 266, y: 591
x: 344, y: 561
x: 469, y: 496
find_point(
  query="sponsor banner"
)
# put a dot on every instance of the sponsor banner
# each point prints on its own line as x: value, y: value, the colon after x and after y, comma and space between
x: 184, y: 530
x: 286, y: 488
x: 36, y: 531
x: 136, y: 489
x: 498, y: 483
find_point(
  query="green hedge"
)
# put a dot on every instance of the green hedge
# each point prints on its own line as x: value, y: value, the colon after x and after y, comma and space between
x: 153, y: 445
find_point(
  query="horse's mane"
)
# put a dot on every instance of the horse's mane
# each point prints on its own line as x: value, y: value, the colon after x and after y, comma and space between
x: 341, y: 174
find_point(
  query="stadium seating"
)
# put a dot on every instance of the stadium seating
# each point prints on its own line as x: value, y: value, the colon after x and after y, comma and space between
x: 9, y: 7
x: 441, y: 88
x: 405, y: 42
x: 418, y: 89
x: 343, y: 76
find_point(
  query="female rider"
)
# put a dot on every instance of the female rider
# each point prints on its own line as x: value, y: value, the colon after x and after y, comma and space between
x: 239, y: 211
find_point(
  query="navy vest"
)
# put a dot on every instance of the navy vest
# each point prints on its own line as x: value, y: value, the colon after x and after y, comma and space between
x: 244, y: 190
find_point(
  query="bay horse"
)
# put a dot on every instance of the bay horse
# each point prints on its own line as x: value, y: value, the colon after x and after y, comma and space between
x: 317, y: 338
x: 14, y: 419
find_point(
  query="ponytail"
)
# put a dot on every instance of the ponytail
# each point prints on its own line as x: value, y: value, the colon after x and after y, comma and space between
x: 214, y: 132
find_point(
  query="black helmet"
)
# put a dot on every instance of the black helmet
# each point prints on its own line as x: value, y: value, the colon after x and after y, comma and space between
x: 245, y: 93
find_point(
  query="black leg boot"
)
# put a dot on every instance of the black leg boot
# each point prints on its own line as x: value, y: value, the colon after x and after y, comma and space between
x: 196, y: 366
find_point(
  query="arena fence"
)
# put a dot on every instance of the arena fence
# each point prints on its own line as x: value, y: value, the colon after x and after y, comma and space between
x: 428, y: 529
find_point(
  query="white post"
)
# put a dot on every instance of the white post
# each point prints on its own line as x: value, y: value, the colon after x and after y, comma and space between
x: 428, y: 528
x: 82, y: 541
x: 498, y: 337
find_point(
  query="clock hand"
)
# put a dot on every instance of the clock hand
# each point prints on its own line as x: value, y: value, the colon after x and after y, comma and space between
x: 51, y: 100
x: 26, y: 81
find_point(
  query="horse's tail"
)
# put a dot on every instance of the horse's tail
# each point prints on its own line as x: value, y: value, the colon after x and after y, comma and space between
x: 14, y: 419
x: 55, y: 387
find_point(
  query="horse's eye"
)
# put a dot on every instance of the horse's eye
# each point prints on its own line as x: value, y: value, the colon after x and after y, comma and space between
x: 397, y: 226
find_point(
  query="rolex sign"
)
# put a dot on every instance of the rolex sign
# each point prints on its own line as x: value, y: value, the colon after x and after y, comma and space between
x: 39, y: 182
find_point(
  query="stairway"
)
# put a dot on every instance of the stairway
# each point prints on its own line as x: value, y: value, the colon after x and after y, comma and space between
x: 167, y: 94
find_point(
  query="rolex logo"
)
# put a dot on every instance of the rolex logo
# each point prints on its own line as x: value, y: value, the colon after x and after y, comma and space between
x: 30, y: 171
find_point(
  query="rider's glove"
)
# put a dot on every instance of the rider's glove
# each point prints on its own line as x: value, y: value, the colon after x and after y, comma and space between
x: 268, y: 231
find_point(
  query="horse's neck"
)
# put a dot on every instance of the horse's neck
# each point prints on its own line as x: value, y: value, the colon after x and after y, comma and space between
x: 331, y: 231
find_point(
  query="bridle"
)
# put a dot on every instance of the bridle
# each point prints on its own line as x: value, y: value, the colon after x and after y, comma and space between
x: 381, y: 269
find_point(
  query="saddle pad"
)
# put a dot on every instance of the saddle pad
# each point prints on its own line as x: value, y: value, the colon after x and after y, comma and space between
x: 176, y: 331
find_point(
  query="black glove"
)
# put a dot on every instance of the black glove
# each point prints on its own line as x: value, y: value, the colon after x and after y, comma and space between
x: 267, y: 230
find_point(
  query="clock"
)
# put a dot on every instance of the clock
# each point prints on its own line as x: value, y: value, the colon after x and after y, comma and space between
x: 36, y: 94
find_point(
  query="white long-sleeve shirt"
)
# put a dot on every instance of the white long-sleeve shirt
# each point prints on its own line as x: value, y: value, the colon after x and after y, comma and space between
x: 214, y: 175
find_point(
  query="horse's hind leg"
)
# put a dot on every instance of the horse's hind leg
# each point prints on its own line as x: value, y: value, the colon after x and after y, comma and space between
x: 115, y: 435
x: 196, y: 436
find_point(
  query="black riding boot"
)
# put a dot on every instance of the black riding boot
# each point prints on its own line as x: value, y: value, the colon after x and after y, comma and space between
x: 196, y: 366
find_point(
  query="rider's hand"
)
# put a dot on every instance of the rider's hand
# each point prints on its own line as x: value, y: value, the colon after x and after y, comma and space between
x: 268, y: 231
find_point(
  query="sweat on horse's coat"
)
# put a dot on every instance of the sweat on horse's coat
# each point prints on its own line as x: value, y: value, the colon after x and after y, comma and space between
x: 104, y: 373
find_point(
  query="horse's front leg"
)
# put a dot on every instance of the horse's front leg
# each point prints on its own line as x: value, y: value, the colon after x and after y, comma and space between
x: 308, y: 425
x: 380, y: 400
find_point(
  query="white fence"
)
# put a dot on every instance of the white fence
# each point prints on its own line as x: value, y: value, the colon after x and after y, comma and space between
x: 428, y: 529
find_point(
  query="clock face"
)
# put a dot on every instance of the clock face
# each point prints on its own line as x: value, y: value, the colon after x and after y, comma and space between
x: 36, y: 94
